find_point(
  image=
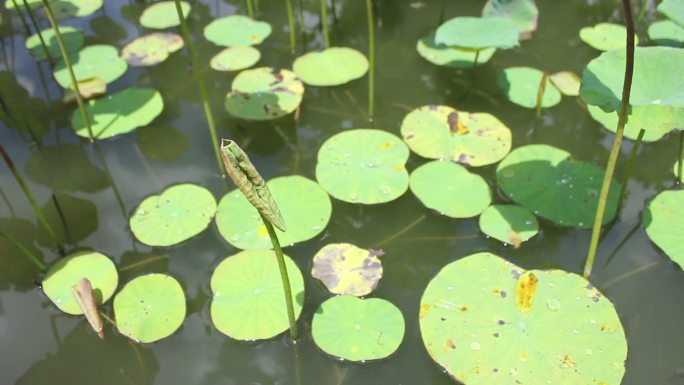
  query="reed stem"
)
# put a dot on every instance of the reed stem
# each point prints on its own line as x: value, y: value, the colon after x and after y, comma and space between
x: 324, y: 22
x: 250, y: 9
x: 630, y: 166
x: 371, y: 59
x: 292, y: 25
x: 24, y: 250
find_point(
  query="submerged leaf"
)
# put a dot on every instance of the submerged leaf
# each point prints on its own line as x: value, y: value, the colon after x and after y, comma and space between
x: 347, y: 269
x: 664, y: 223
x: 83, y: 293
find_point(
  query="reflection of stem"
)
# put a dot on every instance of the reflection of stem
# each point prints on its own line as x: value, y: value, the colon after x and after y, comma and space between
x: 36, y: 26
x: 24, y: 250
x: 442, y: 12
x: 630, y: 273
x: 477, y: 56
x: 400, y: 232
x: 324, y: 22
x: 630, y: 166
x: 144, y: 262
x: 291, y: 24
x: 619, y: 133
x: 371, y: 59
x: 108, y: 173
x: 622, y: 243
x: 540, y: 93
x: 153, y: 176
x: 62, y: 217
x: 355, y: 103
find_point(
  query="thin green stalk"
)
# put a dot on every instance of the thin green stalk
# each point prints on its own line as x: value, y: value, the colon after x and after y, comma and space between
x: 619, y: 134
x: 540, y: 94
x: 324, y: 22
x: 201, y: 86
x: 442, y: 12
x: 371, y: 59
x: 642, y: 11
x: 67, y: 62
x: 24, y: 250
x: 36, y: 26
x: 681, y: 158
x: 256, y: 6
x: 477, y: 57
x: 21, y: 16
x: 250, y: 8
x: 630, y: 166
x: 283, y: 276
x: 291, y: 24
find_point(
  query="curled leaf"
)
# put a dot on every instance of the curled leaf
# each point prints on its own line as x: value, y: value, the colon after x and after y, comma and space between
x: 83, y: 293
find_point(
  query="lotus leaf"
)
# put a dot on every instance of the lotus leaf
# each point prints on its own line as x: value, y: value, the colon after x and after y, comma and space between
x: 331, y: 67
x: 235, y: 58
x: 347, y: 269
x: 674, y: 10
x: 523, y: 13
x: 521, y: 85
x: 163, y: 15
x: 65, y: 167
x: 237, y: 30
x: 567, y: 83
x: 73, y: 40
x: 605, y: 36
x: 264, y: 93
x: 446, y: 56
x: 89, y: 89
x: 478, y: 33
x: 657, y: 121
x: 664, y: 223
x: 151, y: 49
x: 95, y: 61
x: 510, y: 224
x: 666, y: 33
x: 65, y: 9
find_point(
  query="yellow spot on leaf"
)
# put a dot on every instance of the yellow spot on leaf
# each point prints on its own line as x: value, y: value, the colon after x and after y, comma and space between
x: 566, y: 362
x: 262, y: 232
x: 525, y: 289
x: 398, y: 167
x: 607, y: 328
x: 463, y: 309
x: 385, y: 145
x: 424, y: 308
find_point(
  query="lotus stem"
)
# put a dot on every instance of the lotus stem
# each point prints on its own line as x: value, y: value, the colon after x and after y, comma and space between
x: 442, y: 13
x: 201, y: 85
x: 256, y: 6
x: 292, y: 25
x: 680, y: 168
x: 630, y: 166
x: 21, y: 17
x: 540, y: 94
x: 250, y: 8
x: 477, y: 57
x: 371, y: 59
x: 24, y: 250
x: 619, y: 134
x: 36, y: 26
x: 324, y: 22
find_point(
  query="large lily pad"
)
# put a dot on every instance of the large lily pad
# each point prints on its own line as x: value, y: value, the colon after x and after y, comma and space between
x: 549, y: 182
x: 235, y: 58
x: 450, y: 189
x: 667, y: 33
x: 151, y: 49
x: 64, y: 274
x: 179, y: 213
x: 95, y: 61
x: 674, y: 10
x: 331, y: 67
x: 264, y: 93
x: 521, y: 85
x: 523, y: 13
x: 665, y: 224
x: 73, y: 40
x: 520, y: 327
x: 605, y: 36
x: 248, y: 297
x: 478, y: 33
x: 237, y: 30
x: 363, y: 166
x: 347, y: 269
x: 454, y: 57
x: 163, y: 15
x: 304, y: 205
x: 510, y: 224
x: 150, y: 307
x: 357, y: 329
x: 441, y: 132
x: 657, y: 121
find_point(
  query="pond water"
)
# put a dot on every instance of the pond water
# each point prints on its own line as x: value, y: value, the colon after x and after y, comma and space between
x: 41, y: 345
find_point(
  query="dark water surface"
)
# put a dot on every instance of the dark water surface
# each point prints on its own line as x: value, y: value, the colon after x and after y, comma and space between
x: 40, y: 345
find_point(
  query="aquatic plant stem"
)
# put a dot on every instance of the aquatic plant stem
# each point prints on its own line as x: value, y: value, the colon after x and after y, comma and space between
x: 21, y: 17
x: 36, y: 26
x: 250, y: 8
x: 540, y: 93
x: 24, y: 250
x: 681, y: 158
x: 371, y: 59
x: 291, y: 24
x: 642, y: 11
x: 201, y: 86
x: 284, y: 277
x: 630, y: 166
x: 324, y: 22
x: 619, y: 134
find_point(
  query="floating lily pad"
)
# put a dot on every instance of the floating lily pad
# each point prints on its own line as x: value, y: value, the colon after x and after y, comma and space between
x: 64, y: 274
x: 441, y: 132
x: 151, y: 49
x: 674, y: 10
x: 248, y: 300
x: 9, y: 4
x: 523, y: 13
x: 521, y: 85
x: 331, y: 67
x: 347, y: 269
x: 657, y: 121
x: 65, y: 9
x: 357, y: 329
x: 179, y: 213
x: 605, y: 36
x: 666, y: 33
x: 237, y: 30
x: 450, y: 189
x: 65, y: 167
x: 89, y: 89
x: 547, y: 181
x: 304, y: 205
x: 73, y: 40
x: 163, y: 15
x: 510, y: 224
x: 363, y: 166
x: 446, y: 56
x: 264, y: 93
x: 478, y: 33
x: 664, y: 223
x: 517, y: 326
x: 235, y: 58
x: 150, y: 307
x: 567, y: 82
x: 95, y: 61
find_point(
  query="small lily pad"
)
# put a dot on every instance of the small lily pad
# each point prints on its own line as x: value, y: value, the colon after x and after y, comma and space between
x: 347, y: 269
x: 304, y: 205
x: 446, y: 56
x: 264, y: 93
x: 606, y: 36
x: 331, y: 67
x: 363, y: 166
x: 567, y: 82
x: 441, y: 132
x: 450, y: 189
x: 523, y: 13
x: 478, y: 33
x: 510, y: 224
x: 674, y: 10
x: 235, y: 58
x: 89, y: 89
x: 119, y: 113
x: 150, y: 307
x: 237, y: 30
x: 95, y: 61
x: 248, y: 300
x: 547, y: 181
x: 517, y: 326
x: 357, y: 329
x: 163, y: 15
x: 664, y: 223
x: 657, y: 121
x: 667, y: 33
x: 151, y: 49
x: 179, y: 213
x: 64, y: 274
x: 73, y: 40
x: 521, y: 85
x: 65, y: 9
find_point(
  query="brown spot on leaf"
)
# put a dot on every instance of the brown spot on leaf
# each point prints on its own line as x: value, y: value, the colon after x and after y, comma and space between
x: 525, y: 289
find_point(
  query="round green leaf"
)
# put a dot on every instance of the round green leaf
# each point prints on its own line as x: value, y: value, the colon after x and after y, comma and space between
x: 666, y: 33
x: 567, y: 82
x: 119, y: 113
x: 674, y: 10
x: 606, y: 36
x: 478, y: 33
x: 304, y: 205
x: 248, y: 300
x: 73, y: 40
x: 66, y: 272
x: 446, y: 56
x: 363, y: 166
x: 441, y: 132
x: 664, y: 223
x: 510, y: 224
x: 235, y: 58
x: 521, y: 85
x: 331, y: 67
x: 179, y: 213
x: 523, y: 13
x: 347, y: 269
x: 95, y: 61
x: 150, y: 307
x: 65, y: 9
x: 237, y: 30
x: 520, y: 327
x: 151, y: 49
x: 547, y: 181
x: 163, y: 15
x: 264, y: 93
x: 357, y: 329
x: 657, y: 121
x: 450, y: 189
